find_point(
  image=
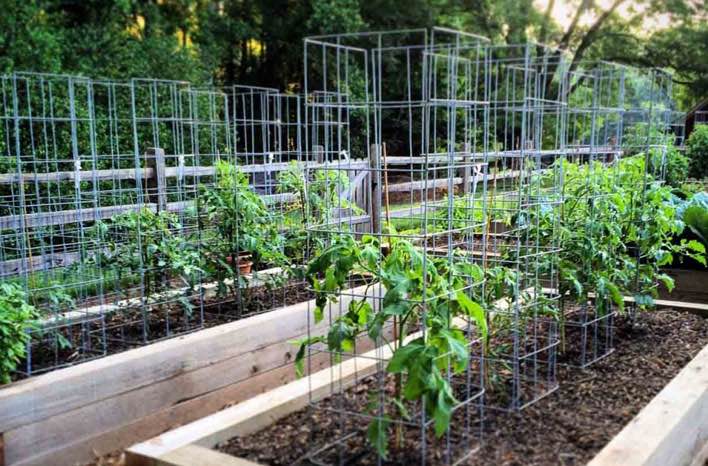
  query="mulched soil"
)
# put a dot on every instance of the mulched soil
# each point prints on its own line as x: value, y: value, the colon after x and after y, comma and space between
x: 567, y: 427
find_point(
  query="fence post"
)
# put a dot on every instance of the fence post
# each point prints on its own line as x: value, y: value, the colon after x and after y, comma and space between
x: 156, y: 185
x: 466, y: 169
x: 319, y: 153
x: 375, y: 164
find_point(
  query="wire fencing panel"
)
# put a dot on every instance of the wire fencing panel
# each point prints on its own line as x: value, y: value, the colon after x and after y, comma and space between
x: 114, y: 202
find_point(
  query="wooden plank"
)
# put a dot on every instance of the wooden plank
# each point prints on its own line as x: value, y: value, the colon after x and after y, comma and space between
x: 676, y: 304
x: 355, y: 186
x: 74, y: 435
x: 376, y: 199
x: 671, y: 429
x: 253, y: 280
x: 156, y: 184
x: 91, y: 213
x: 57, y: 392
x: 690, y: 285
x: 262, y: 410
x: 191, y: 455
x: 437, y: 183
x: 41, y: 262
x: 444, y: 158
x: 146, y: 172
x: 83, y: 175
x: 84, y: 448
x: 699, y: 308
x: 466, y: 172
x: 62, y: 217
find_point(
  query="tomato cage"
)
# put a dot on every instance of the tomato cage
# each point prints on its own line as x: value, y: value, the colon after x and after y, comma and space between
x: 620, y: 133
x: 525, y: 144
x: 396, y: 117
x: 648, y: 146
x: 108, y: 212
x: 592, y: 173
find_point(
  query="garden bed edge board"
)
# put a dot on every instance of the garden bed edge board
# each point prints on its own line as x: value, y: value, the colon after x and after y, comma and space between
x: 671, y: 429
x: 113, y: 397
x: 253, y: 280
x: 260, y: 411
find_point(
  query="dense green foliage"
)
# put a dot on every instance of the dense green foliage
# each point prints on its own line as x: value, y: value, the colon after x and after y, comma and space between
x: 260, y: 41
x: 615, y: 236
x: 618, y: 226
x: 693, y: 212
x: 242, y: 223
x: 17, y: 317
x: 147, y: 247
x: 697, y: 151
x: 419, y: 290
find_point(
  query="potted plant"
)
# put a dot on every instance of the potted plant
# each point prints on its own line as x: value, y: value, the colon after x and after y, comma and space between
x: 245, y: 232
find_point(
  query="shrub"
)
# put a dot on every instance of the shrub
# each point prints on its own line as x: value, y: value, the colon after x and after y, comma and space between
x: 697, y: 152
x: 17, y: 316
x: 676, y: 166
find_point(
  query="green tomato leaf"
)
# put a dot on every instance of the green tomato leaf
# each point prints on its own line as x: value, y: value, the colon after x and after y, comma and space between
x: 377, y: 434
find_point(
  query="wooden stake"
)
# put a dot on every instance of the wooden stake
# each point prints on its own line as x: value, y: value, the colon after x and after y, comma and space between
x: 388, y: 205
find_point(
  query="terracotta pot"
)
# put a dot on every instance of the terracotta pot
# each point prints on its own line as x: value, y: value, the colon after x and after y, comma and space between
x: 244, y: 263
x: 245, y: 267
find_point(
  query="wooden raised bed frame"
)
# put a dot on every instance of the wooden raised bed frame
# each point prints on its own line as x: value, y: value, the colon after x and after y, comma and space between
x: 70, y: 415
x: 671, y: 429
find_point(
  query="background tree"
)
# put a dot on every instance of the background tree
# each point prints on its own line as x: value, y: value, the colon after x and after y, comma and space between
x: 260, y: 41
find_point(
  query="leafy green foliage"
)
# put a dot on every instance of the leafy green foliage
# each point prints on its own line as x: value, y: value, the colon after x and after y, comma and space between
x: 615, y: 236
x: 242, y: 222
x: 676, y: 165
x: 697, y: 151
x: 321, y: 196
x: 418, y: 290
x: 17, y: 318
x: 694, y: 214
x: 151, y: 244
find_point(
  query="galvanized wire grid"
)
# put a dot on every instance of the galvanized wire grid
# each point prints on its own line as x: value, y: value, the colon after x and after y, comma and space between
x: 78, y: 154
x: 435, y: 137
x: 466, y: 144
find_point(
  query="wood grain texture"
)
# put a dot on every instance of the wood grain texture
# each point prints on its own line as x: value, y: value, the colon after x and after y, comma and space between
x: 60, y: 412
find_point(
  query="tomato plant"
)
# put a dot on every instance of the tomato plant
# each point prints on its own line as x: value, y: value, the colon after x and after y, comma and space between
x: 420, y: 291
x: 148, y: 246
x: 617, y: 230
x: 242, y: 223
x: 17, y: 319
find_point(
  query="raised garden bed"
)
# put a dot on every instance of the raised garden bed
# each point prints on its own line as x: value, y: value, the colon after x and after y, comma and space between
x: 73, y: 414
x: 690, y: 285
x: 103, y: 330
x: 568, y: 427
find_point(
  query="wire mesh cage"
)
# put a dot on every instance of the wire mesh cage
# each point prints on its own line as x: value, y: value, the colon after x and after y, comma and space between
x: 394, y: 109
x: 591, y: 222
x: 452, y: 207
x: 115, y: 197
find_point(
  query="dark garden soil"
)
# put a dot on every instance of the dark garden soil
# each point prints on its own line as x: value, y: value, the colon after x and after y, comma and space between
x: 567, y: 427
x: 130, y: 328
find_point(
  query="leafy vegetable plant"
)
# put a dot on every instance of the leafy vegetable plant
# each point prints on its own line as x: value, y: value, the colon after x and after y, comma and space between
x: 420, y: 291
x: 17, y: 318
x: 149, y: 244
x: 242, y: 224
